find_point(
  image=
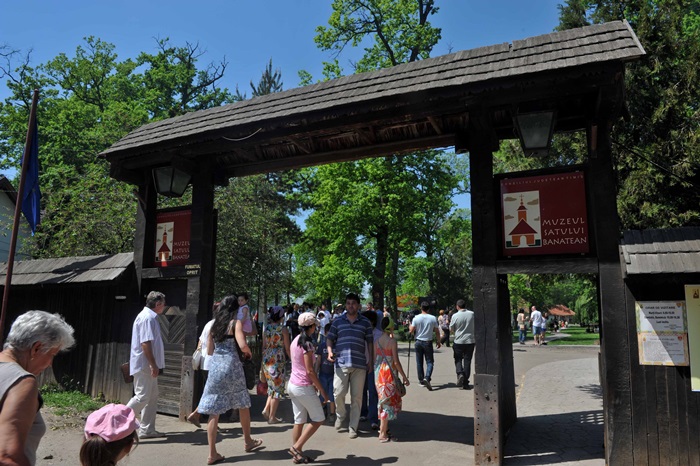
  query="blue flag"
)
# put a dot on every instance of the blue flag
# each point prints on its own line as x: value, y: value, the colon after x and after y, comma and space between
x: 31, y: 197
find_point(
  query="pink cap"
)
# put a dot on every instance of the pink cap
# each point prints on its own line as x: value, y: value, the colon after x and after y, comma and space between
x: 111, y: 422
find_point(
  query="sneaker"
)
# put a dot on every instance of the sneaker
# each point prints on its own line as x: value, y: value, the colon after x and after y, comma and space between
x: 154, y: 434
x: 353, y: 433
x: 460, y: 381
x: 427, y: 385
x: 422, y: 382
x: 467, y: 386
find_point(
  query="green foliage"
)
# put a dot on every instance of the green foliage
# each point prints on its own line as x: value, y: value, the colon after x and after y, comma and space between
x: 656, y: 149
x: 254, y: 239
x: 87, y: 103
x: 393, y: 31
x: 380, y: 221
x: 576, y: 291
x: 67, y: 402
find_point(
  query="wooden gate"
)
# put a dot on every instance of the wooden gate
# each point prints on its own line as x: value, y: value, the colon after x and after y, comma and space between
x: 172, y: 328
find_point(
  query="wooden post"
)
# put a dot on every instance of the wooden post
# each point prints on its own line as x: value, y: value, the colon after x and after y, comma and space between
x: 494, y: 390
x: 614, y: 341
x: 144, y: 237
x: 200, y: 286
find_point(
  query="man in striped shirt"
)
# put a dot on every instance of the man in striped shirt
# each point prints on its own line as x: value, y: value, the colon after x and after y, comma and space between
x: 351, y: 347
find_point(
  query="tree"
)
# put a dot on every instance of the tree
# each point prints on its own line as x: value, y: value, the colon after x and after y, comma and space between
x: 88, y: 102
x: 657, y: 149
x: 393, y: 205
x: 255, y: 234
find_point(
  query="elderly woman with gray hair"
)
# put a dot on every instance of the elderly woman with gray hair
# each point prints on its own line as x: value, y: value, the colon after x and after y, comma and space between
x: 34, y: 340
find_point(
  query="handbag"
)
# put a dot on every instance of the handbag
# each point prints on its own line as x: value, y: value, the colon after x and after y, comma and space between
x: 197, y: 359
x: 124, y: 368
x: 398, y: 383
x: 400, y: 387
x: 261, y: 388
x: 248, y: 368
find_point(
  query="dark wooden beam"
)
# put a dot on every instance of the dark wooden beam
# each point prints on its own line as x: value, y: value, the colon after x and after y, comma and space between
x: 548, y: 265
x: 355, y: 153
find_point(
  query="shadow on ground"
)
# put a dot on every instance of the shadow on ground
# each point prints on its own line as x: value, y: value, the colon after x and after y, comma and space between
x: 556, y: 438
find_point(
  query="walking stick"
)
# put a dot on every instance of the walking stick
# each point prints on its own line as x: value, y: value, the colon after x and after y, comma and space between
x: 408, y: 365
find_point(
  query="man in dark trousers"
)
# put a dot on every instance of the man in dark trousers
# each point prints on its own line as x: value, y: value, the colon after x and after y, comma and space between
x: 423, y: 327
x: 462, y: 326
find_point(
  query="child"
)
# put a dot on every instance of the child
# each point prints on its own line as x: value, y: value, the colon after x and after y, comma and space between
x: 244, y: 315
x: 110, y: 434
x: 326, y: 371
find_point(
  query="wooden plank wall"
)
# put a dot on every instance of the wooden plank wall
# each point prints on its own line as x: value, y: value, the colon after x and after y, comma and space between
x: 665, y: 412
x: 102, y: 331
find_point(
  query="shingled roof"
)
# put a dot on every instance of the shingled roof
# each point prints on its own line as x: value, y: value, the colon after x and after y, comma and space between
x: 669, y: 251
x: 308, y: 111
x: 81, y: 269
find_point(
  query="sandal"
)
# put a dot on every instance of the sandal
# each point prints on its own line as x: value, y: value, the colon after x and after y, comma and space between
x: 265, y: 414
x: 194, y: 419
x: 218, y: 459
x: 274, y: 420
x: 388, y: 438
x: 252, y: 446
x: 298, y: 457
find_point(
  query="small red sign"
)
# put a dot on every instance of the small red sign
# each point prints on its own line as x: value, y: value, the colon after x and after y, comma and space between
x: 173, y: 237
x: 544, y: 214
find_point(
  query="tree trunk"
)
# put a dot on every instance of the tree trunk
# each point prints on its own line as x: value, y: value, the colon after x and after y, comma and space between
x: 379, y: 272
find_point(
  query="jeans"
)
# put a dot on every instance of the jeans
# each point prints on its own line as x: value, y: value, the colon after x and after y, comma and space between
x: 523, y: 335
x: 424, y: 349
x: 370, y: 400
x: 463, y: 359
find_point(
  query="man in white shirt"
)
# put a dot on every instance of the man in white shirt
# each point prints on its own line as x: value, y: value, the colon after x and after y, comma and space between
x: 424, y: 326
x: 538, y: 324
x: 145, y: 363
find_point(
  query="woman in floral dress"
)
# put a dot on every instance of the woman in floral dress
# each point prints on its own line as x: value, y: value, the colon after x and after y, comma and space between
x: 387, y: 355
x: 225, y: 387
x: 275, y: 354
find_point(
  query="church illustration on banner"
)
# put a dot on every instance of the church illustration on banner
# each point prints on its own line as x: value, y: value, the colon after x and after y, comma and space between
x: 521, y: 220
x: 164, y: 247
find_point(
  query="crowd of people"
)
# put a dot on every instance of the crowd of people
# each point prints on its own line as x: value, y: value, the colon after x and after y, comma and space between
x: 314, y: 357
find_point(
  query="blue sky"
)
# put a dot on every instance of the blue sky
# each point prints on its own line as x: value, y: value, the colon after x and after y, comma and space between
x: 247, y: 32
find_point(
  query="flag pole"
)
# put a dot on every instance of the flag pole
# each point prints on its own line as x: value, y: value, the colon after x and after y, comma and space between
x: 18, y: 210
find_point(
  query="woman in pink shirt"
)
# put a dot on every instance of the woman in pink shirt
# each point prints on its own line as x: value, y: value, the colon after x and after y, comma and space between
x: 303, y: 384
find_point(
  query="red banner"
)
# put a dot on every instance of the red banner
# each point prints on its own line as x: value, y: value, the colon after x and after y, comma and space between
x: 173, y: 237
x: 544, y: 215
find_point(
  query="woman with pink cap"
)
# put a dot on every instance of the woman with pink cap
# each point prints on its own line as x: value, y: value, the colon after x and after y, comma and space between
x: 302, y: 388
x: 110, y: 434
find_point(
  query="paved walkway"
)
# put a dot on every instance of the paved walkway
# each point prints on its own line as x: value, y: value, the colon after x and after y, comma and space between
x: 559, y: 409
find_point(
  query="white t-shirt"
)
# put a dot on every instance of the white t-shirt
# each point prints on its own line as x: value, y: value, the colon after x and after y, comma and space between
x: 204, y: 338
x: 537, y: 319
x: 425, y: 325
x: 322, y: 323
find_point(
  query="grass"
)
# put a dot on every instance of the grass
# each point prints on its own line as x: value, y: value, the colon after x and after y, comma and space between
x: 68, y: 402
x: 578, y: 336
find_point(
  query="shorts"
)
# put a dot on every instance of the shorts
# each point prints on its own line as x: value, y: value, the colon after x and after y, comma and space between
x: 537, y: 330
x: 305, y: 404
